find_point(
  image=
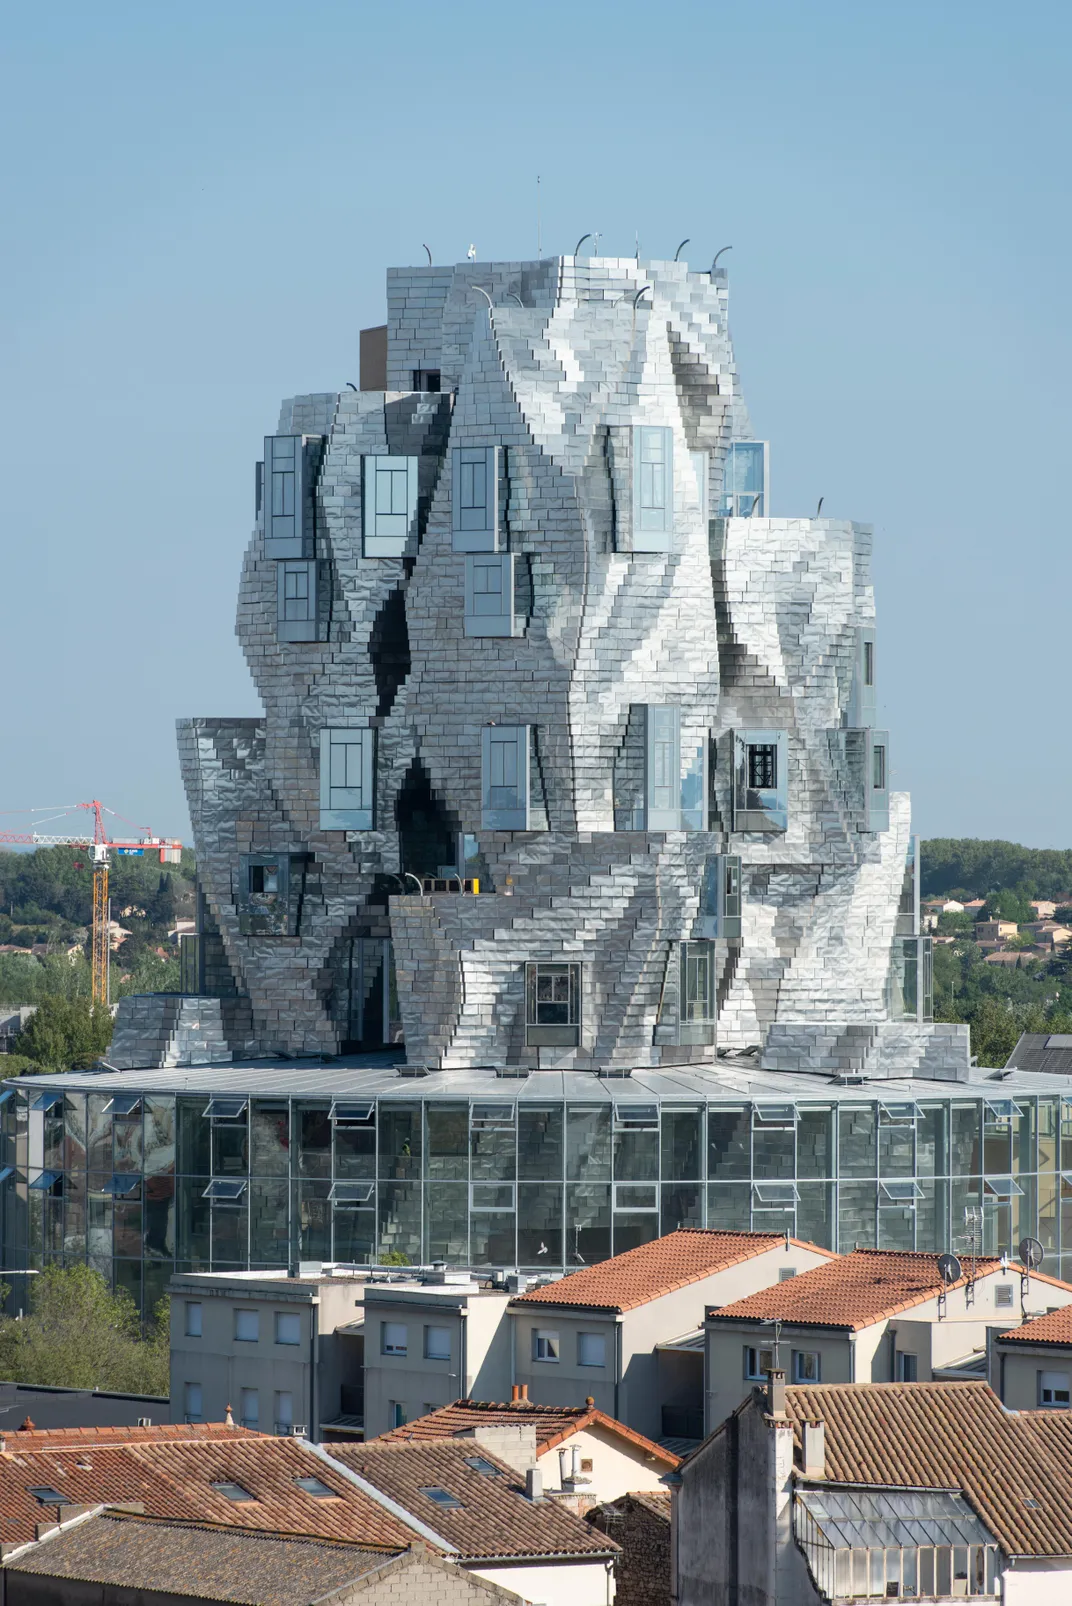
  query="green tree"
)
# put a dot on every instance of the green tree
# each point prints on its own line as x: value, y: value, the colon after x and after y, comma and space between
x: 79, y: 1334
x: 1006, y: 904
x: 66, y: 1034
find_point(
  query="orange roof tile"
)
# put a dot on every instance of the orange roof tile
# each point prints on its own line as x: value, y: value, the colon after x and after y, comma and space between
x: 493, y: 1517
x: 850, y: 1291
x: 553, y: 1424
x: 1053, y: 1328
x: 159, y: 1433
x: 174, y: 1479
x: 948, y: 1436
x: 657, y: 1268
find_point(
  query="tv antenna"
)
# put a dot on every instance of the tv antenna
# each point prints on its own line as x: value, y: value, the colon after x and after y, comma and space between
x: 973, y: 1247
x: 1031, y: 1255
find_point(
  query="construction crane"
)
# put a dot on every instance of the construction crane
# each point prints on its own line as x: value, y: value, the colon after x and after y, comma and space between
x: 101, y: 846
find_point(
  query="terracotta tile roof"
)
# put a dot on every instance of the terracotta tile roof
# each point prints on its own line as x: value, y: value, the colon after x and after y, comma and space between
x: 1053, y: 1328
x: 161, y: 1432
x: 175, y: 1480
x: 553, y: 1423
x: 949, y: 1436
x: 850, y: 1291
x: 211, y: 1563
x: 658, y: 1268
x: 494, y: 1517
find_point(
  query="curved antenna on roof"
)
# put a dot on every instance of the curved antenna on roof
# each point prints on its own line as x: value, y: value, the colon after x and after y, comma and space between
x: 479, y: 288
x: 580, y: 242
x: 681, y: 248
x: 350, y: 385
x: 517, y: 298
x: 718, y: 254
x: 429, y: 256
x: 641, y: 292
x: 819, y: 509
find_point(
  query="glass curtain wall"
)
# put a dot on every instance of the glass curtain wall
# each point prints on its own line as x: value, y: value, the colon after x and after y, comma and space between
x: 141, y: 1186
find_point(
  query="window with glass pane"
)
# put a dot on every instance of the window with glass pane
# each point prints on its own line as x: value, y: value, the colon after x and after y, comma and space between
x: 857, y: 1132
x: 539, y: 1224
x: 773, y: 1146
x: 697, y: 993
x: 493, y: 1141
x: 314, y: 1142
x: 681, y: 1206
x: 815, y: 1142
x: 964, y: 1153
x: 553, y: 1005
x: 729, y: 1143
x: 588, y: 1142
x: 400, y: 1140
x: 636, y: 1154
x: 399, y: 1220
x: 763, y: 765
x: 857, y: 1210
x: 744, y: 480
x: 540, y: 1142
x: 729, y: 1206
x: 588, y: 1219
x: 682, y: 1156
x: 347, y: 779
x: 653, y: 487
x: 448, y: 1141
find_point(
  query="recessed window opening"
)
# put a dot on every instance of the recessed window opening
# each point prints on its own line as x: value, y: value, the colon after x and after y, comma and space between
x: 763, y: 765
x: 232, y: 1491
x: 544, y: 1345
x: 486, y: 1468
x: 878, y: 762
x: 264, y: 878
x: 48, y: 1496
x: 869, y: 663
x: 442, y: 1497
x: 318, y: 1490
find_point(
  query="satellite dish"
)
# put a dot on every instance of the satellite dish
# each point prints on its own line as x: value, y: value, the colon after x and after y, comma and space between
x: 1031, y: 1253
x: 949, y: 1269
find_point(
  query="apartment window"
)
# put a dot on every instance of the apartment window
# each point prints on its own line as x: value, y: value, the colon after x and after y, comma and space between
x: 284, y: 1411
x: 591, y: 1349
x: 393, y: 1338
x: 504, y: 760
x: 346, y: 779
x: 390, y: 505
x: 763, y: 765
x: 653, y: 487
x: 396, y: 1413
x: 544, y: 1344
x: 1003, y: 1295
x: 250, y: 1408
x: 1053, y: 1390
x: 878, y: 768
x: 720, y: 897
x: 287, y: 1327
x: 552, y: 1005
x: 489, y: 594
x: 806, y: 1366
x: 758, y: 1364
x: 475, y: 498
x: 247, y: 1326
x: 290, y: 463
x: 744, y: 480
x: 697, y: 993
x: 907, y: 1366
x: 437, y: 1343
x: 191, y: 1402
x: 193, y: 1319
x: 296, y: 595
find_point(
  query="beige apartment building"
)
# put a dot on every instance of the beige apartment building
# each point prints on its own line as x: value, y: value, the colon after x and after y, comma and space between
x: 597, y: 1333
x: 872, y: 1316
x: 1031, y: 1365
x: 284, y: 1352
x: 430, y: 1340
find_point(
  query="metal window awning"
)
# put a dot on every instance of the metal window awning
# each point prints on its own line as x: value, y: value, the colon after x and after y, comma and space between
x: 776, y: 1193
x: 1002, y: 1187
x: 351, y: 1193
x: 121, y: 1186
x: 47, y: 1102
x: 881, y: 1519
x: 225, y: 1190
x: 901, y: 1191
x: 45, y: 1180
x: 636, y: 1117
x: 7, y: 1171
x: 775, y: 1114
x: 226, y: 1109
x: 352, y: 1112
x: 8, y: 1093
x: 123, y: 1104
x: 1002, y: 1109
x: 493, y: 1117
x: 903, y: 1111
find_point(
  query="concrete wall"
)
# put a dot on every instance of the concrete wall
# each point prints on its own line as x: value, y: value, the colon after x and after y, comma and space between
x: 617, y: 1466
x: 479, y: 1364
x: 587, y: 1583
x: 1015, y: 1369
x: 727, y: 1385
x: 1039, y: 1582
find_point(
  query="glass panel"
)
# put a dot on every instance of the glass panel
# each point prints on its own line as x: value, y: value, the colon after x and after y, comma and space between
x: 314, y: 1220
x: 159, y: 1137
x: 400, y: 1143
x: 355, y: 1235
x: 896, y: 1226
x: 815, y: 1142
x: 540, y: 1143
x: 493, y: 1238
x: 932, y: 1215
x: 194, y: 1135
x: 682, y: 1206
x: 446, y: 1212
x: 1049, y: 1117
x: 729, y: 1206
x: 74, y: 1105
x: 99, y: 1136
x: 588, y: 1216
x: 269, y: 1140
x: 127, y: 1275
x: 448, y: 1142
x: 997, y: 1145
x: 896, y: 1147
x: 857, y: 1153
x: 588, y: 1144
x: 158, y: 1197
x: 630, y: 1231
x: 494, y: 1151
x: 1023, y: 1137
x: 773, y: 1150
x: 127, y: 1228
x: 230, y: 1234
x: 1048, y: 1235
x: 815, y: 1213
x: 314, y: 1142
x: 729, y: 1138
x: 856, y: 1215
x: 230, y: 1148
x: 932, y: 1141
x: 636, y: 1156
x: 682, y: 1154
x: 964, y: 1139
x: 539, y: 1216
x: 355, y: 1149
x: 269, y: 1230
x: 399, y: 1217
x: 74, y: 1219
x: 193, y: 1222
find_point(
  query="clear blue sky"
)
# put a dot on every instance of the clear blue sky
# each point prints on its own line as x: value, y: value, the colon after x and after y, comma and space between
x: 201, y: 200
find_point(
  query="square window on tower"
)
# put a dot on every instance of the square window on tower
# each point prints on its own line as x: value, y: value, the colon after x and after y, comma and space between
x: 390, y: 505
x: 760, y: 780
x: 475, y: 498
x: 653, y: 487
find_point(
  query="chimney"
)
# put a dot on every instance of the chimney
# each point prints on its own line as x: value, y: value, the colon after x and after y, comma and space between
x: 515, y: 1393
x: 776, y: 1393
x: 228, y: 1420
x: 534, y: 1484
x: 813, y: 1449
x: 523, y: 1391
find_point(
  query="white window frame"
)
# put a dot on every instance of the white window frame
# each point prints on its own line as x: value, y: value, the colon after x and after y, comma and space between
x: 429, y: 1353
x: 345, y: 806
x: 801, y: 1357
x: 653, y: 487
x: 599, y: 1339
x: 190, y: 1393
x: 394, y: 1347
x: 551, y: 1034
x: 754, y: 1370
x: 389, y: 504
x: 906, y: 1361
x: 546, y: 1346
